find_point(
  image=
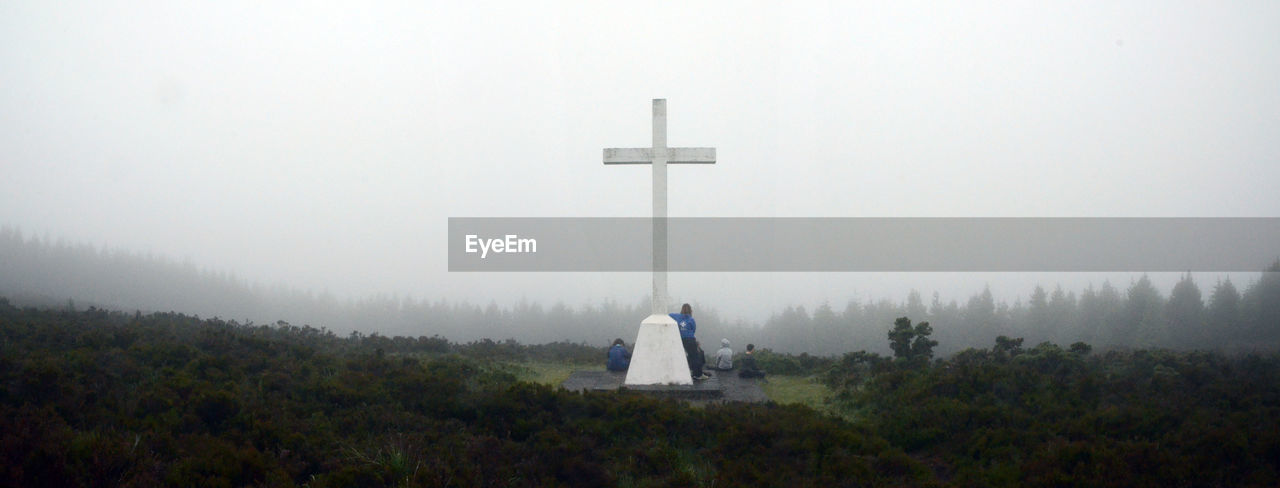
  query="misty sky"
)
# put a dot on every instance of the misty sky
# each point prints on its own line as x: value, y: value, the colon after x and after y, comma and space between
x: 325, y: 146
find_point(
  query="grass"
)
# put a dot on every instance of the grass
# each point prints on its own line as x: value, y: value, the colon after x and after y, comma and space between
x: 545, y: 373
x: 804, y: 390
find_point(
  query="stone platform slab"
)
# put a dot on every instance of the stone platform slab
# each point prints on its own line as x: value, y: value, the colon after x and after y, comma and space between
x: 724, y: 386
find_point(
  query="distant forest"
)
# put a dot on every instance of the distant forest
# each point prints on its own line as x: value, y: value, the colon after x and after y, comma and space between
x: 37, y: 271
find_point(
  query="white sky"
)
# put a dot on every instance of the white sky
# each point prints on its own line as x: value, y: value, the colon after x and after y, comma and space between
x: 324, y: 144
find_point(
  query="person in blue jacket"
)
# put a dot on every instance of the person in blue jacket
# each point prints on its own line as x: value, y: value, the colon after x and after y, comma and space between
x: 688, y: 327
x: 619, y: 356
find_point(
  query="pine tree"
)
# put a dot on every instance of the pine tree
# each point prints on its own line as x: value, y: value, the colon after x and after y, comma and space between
x: 1224, y: 314
x: 900, y: 337
x: 1144, y: 324
x: 1185, y: 311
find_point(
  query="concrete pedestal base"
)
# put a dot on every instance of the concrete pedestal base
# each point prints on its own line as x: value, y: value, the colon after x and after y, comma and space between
x: 658, y: 358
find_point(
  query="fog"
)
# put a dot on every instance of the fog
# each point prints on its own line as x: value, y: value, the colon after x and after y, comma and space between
x: 322, y: 149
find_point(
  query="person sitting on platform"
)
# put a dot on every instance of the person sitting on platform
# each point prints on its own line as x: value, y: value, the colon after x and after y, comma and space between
x: 698, y: 360
x: 749, y: 367
x: 619, y: 356
x: 724, y: 357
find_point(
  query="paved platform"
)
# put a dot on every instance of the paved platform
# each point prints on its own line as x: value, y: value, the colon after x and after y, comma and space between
x: 724, y: 386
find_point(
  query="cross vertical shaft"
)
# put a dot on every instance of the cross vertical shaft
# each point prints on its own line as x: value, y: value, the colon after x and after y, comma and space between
x: 659, y: 301
x: 659, y: 354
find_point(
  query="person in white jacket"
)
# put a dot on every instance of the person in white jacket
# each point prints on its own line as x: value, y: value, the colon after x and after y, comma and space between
x: 724, y: 357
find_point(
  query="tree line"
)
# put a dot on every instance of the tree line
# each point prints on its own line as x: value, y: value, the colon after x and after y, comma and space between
x: 1107, y: 317
x: 46, y: 272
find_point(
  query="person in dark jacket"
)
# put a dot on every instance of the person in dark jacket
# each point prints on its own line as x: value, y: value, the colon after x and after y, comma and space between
x: 697, y: 361
x: 619, y: 356
x: 748, y: 364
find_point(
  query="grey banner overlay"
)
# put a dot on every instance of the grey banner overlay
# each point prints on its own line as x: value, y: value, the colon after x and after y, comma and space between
x: 872, y: 244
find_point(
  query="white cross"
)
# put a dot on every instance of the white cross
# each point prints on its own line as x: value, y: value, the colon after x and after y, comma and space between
x: 660, y: 156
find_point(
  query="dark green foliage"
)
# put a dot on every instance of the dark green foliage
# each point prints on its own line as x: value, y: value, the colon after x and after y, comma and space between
x: 510, y: 350
x: 911, y: 343
x: 1006, y: 348
x: 900, y: 337
x: 787, y: 364
x: 1052, y: 417
x: 1081, y: 348
x: 853, y: 370
x: 922, y: 346
x: 93, y: 398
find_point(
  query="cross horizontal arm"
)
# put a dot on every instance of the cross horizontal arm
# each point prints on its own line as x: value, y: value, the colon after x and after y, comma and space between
x: 675, y: 155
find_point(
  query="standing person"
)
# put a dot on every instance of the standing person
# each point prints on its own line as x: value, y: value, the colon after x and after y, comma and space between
x: 619, y: 356
x: 749, y: 367
x: 724, y: 357
x: 688, y: 327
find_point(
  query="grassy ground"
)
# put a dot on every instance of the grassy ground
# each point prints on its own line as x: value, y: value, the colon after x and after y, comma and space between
x: 805, y: 390
x: 546, y: 373
x: 795, y: 389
